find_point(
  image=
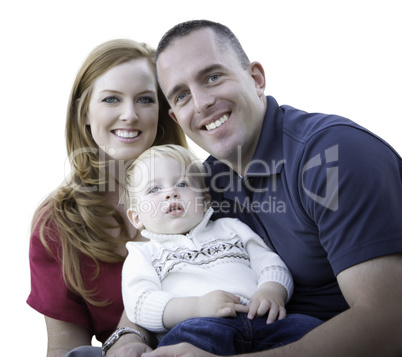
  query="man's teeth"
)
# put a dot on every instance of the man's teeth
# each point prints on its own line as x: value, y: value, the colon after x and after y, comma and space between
x: 217, y: 123
x: 126, y: 134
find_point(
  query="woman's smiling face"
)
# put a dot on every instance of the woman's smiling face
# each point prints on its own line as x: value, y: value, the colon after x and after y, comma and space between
x: 123, y: 110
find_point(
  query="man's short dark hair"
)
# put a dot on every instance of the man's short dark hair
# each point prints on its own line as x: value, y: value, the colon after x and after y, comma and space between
x: 224, y: 35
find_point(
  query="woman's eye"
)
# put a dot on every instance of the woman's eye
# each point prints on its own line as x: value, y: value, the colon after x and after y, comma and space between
x: 110, y: 100
x: 182, y: 184
x: 146, y: 100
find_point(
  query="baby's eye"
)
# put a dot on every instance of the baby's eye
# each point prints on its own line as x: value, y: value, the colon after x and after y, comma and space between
x: 110, y: 99
x: 154, y: 189
x: 182, y: 184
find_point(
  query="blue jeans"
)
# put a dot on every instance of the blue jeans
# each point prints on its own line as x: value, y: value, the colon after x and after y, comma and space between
x: 229, y: 336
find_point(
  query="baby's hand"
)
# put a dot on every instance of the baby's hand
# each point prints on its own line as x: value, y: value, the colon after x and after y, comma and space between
x: 270, y: 297
x: 220, y: 303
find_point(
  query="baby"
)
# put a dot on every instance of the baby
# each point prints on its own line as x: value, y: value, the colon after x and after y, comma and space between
x: 212, y: 272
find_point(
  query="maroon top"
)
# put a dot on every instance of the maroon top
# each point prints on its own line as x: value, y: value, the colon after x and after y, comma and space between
x: 51, y: 297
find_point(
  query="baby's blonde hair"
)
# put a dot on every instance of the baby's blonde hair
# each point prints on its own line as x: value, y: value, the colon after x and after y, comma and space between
x: 190, y: 164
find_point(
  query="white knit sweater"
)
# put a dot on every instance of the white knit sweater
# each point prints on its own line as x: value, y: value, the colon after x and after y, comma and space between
x: 215, y: 255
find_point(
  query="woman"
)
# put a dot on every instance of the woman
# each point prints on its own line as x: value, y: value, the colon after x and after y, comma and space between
x: 115, y: 112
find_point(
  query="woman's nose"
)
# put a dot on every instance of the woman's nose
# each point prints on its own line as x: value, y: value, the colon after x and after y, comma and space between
x: 129, y: 113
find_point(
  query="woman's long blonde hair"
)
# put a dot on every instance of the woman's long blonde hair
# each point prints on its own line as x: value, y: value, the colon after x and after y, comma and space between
x: 78, y: 211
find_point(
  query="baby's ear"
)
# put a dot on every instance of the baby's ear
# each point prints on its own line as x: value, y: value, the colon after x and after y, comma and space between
x: 134, y: 218
x: 207, y: 201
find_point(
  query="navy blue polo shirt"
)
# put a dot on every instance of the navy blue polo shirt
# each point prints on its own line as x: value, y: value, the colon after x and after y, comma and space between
x: 323, y: 192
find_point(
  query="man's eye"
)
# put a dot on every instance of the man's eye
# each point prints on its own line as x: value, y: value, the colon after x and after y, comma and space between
x: 181, y: 97
x: 213, y: 77
x: 110, y: 100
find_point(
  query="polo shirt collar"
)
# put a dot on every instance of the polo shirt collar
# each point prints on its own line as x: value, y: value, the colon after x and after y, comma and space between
x: 268, y: 158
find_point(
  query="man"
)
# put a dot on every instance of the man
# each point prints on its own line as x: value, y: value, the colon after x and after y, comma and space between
x: 324, y: 193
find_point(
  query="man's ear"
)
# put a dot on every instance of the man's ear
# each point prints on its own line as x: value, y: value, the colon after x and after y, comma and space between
x: 173, y: 116
x: 258, y: 74
x: 134, y: 218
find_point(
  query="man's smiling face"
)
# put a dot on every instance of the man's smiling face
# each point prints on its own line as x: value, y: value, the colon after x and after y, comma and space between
x: 219, y: 104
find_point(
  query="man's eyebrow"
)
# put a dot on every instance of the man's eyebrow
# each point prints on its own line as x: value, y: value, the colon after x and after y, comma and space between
x: 200, y: 75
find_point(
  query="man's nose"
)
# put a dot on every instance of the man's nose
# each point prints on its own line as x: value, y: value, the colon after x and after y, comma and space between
x: 202, y: 99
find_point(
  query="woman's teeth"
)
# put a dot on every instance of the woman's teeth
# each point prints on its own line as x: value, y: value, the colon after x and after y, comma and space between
x: 126, y: 134
x: 217, y: 123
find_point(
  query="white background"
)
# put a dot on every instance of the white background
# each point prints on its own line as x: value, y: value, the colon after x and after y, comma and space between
x: 341, y: 57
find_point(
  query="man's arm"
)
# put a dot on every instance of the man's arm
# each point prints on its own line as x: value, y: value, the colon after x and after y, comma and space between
x: 371, y: 327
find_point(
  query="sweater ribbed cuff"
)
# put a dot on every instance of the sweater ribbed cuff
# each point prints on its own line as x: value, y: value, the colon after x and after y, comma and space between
x: 150, y: 311
x: 279, y: 275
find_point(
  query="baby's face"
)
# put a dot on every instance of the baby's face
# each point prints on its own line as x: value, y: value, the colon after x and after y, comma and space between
x: 166, y: 198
